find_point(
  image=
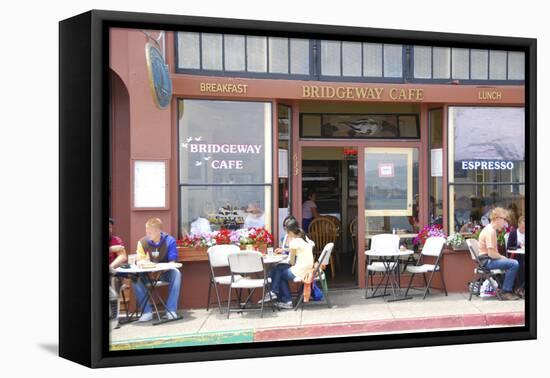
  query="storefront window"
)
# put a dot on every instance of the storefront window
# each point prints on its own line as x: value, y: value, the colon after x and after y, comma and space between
x: 225, y: 166
x: 392, y: 201
x: 488, y: 167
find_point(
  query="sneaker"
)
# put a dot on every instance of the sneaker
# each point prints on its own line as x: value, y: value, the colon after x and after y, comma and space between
x: 520, y: 293
x: 171, y: 315
x: 267, y: 298
x: 146, y: 317
x: 506, y: 296
x: 287, y: 305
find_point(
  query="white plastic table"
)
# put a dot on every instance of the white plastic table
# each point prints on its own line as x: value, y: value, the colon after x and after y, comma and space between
x: 519, y: 251
x: 387, y: 258
x: 145, y: 276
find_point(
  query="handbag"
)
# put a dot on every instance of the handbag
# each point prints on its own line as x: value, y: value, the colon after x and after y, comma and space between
x: 316, y: 292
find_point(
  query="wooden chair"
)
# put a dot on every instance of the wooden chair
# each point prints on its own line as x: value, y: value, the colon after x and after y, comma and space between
x: 323, y: 231
x: 353, y: 234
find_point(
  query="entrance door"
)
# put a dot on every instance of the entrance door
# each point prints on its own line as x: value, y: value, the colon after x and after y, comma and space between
x: 391, y: 192
x: 331, y: 173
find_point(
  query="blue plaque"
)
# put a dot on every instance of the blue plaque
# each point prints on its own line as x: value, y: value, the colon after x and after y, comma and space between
x: 159, y: 76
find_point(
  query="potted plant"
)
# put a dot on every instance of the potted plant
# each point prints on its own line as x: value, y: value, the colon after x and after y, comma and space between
x: 426, y: 232
x: 457, y: 242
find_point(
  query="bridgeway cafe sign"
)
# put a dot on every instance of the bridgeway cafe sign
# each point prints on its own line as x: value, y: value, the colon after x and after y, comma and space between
x: 196, y: 146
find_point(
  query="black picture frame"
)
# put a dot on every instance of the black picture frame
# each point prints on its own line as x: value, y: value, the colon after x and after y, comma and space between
x: 84, y: 194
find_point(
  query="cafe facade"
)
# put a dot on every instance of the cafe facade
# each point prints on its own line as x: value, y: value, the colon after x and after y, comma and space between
x: 390, y: 137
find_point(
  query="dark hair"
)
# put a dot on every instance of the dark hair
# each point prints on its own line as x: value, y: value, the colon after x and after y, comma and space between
x: 288, y: 219
x: 295, y: 228
x: 111, y: 221
x: 310, y: 192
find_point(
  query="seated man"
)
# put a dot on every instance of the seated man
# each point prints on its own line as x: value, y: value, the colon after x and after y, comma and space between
x: 491, y: 259
x: 159, y: 247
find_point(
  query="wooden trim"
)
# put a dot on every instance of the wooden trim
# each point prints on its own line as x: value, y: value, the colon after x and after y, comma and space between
x: 361, y: 259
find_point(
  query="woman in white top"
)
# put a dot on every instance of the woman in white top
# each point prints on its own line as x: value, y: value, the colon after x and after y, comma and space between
x: 309, y: 209
x: 300, y: 263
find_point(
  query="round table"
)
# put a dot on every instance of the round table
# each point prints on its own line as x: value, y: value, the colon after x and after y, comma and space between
x: 387, y: 258
x: 150, y: 284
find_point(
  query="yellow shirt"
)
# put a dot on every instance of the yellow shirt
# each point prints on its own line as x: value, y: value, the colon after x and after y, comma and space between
x: 301, y: 257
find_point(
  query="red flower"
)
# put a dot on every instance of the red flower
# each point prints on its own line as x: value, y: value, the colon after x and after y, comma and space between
x: 223, y: 237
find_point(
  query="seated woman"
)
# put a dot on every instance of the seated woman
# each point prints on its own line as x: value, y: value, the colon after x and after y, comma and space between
x: 300, y: 263
x: 492, y: 259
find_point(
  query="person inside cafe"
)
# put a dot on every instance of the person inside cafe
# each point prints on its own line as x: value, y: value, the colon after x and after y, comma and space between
x: 309, y: 209
x: 158, y: 247
x: 255, y: 216
x: 299, y: 264
x: 492, y: 259
x: 117, y: 251
x: 516, y: 240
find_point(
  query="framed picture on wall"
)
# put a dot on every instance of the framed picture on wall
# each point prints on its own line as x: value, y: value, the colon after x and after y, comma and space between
x: 172, y: 185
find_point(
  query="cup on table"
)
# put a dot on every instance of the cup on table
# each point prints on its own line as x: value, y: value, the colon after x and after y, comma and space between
x: 270, y: 251
x: 132, y: 259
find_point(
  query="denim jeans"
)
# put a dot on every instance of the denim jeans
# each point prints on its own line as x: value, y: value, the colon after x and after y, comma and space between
x: 280, y: 275
x: 510, y: 266
x: 173, y: 277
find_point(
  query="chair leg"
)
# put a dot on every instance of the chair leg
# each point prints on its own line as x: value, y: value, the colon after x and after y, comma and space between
x: 229, y: 303
x: 428, y: 285
x: 300, y: 298
x: 353, y: 264
x: 425, y: 281
x: 410, y: 283
x: 262, y: 308
x: 443, y: 282
x: 474, y: 281
x: 208, y: 298
x: 325, y: 286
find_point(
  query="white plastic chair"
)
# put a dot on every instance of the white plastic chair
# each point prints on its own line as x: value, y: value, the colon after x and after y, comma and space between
x: 480, y: 273
x: 381, y: 243
x: 433, y: 247
x: 217, y: 257
x: 247, y: 263
x: 318, y: 275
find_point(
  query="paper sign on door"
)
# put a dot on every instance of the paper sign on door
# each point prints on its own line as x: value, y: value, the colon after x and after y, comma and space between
x: 385, y: 170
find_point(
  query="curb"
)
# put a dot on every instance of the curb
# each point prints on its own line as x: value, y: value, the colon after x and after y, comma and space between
x: 391, y: 325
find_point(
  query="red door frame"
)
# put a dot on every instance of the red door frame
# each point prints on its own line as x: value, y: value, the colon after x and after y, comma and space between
x: 421, y: 144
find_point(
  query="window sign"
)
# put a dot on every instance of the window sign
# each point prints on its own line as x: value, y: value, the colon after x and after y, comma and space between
x: 385, y: 170
x: 437, y: 162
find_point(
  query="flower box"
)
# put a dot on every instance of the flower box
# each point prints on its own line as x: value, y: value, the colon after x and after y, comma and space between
x: 186, y: 254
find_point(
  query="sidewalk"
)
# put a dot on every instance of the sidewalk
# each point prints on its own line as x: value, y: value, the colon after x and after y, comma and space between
x: 350, y: 315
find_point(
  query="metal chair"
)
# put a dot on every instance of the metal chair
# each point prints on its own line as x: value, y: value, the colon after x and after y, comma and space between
x: 432, y: 247
x: 318, y: 275
x: 217, y: 257
x: 380, y: 243
x: 247, y: 263
x: 323, y: 231
x: 480, y: 272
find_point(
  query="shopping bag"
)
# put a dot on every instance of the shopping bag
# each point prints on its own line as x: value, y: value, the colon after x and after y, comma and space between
x: 487, y: 290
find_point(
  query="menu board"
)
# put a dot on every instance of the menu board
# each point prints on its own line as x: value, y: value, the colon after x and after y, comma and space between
x: 149, y: 184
